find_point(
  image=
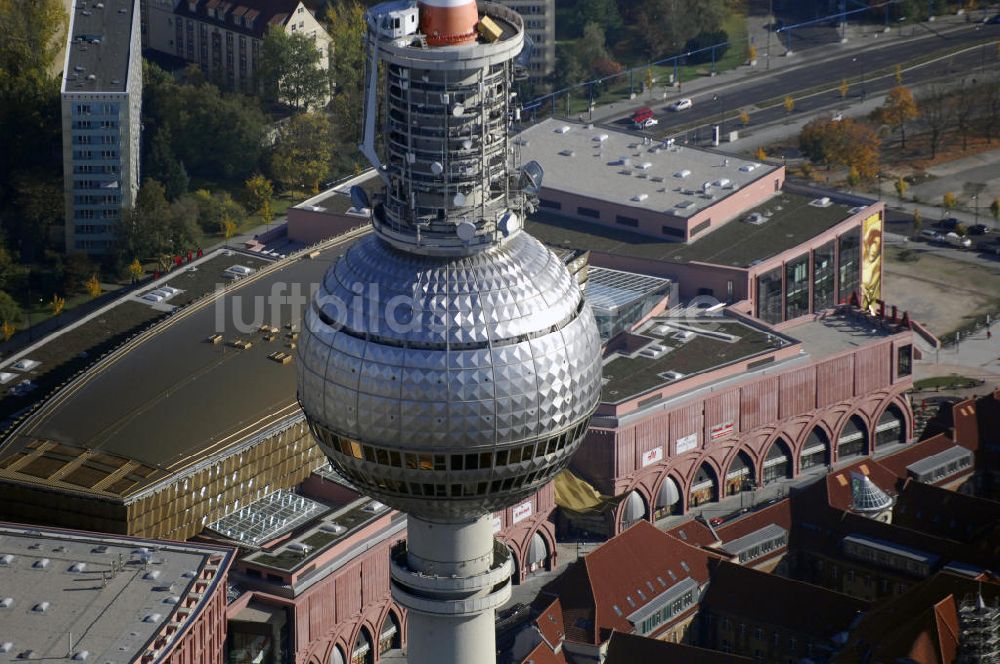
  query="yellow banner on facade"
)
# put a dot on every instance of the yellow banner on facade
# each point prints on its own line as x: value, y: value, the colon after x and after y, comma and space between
x: 871, y: 262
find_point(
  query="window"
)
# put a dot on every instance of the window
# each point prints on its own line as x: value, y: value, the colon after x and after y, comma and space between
x: 551, y: 205
x: 823, y: 277
x: 700, y: 227
x: 673, y: 232
x: 627, y: 221
x: 904, y: 361
x: 769, y: 296
x: 588, y: 212
x: 850, y: 260
x: 797, y: 287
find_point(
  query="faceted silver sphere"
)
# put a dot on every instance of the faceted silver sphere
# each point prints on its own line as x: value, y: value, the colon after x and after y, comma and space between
x: 449, y: 387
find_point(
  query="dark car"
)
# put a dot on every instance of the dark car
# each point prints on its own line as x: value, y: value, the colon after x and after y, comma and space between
x: 948, y: 223
x: 993, y: 21
x: 979, y: 229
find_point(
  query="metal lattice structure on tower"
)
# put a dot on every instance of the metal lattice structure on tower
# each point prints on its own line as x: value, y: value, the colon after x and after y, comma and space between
x: 979, y: 642
x: 449, y: 364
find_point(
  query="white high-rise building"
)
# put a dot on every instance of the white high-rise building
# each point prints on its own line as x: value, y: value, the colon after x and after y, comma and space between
x: 101, y: 123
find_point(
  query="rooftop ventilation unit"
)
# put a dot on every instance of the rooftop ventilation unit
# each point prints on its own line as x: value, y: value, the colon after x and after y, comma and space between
x: 600, y: 138
x: 334, y: 528
x: 856, y: 209
x: 672, y: 375
x: 567, y: 153
x: 646, y: 165
x: 755, y: 218
x: 41, y: 607
x: 374, y: 507
x: 563, y: 129
x: 639, y: 198
x: 76, y: 568
x: 723, y: 182
x: 749, y: 168
x: 41, y: 564
x: 684, y: 205
x: 6, y: 602
x: 821, y: 202
x: 300, y: 547
x: 654, y: 351
x: 6, y: 559
x: 81, y: 655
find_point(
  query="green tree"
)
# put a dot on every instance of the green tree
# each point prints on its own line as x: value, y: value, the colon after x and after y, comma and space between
x: 899, y: 107
x: 937, y: 112
x: 345, y: 22
x: 10, y: 310
x: 76, y: 268
x: 33, y: 35
x: 162, y: 165
x: 259, y: 193
x: 146, y: 229
x: 302, y: 156
x: 292, y: 69
x: 182, y: 223
x: 213, y: 208
x: 568, y: 71
x: 665, y: 26
x: 600, y: 12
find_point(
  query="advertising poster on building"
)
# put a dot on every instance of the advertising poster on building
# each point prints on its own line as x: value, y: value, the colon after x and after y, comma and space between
x: 686, y: 443
x: 871, y: 262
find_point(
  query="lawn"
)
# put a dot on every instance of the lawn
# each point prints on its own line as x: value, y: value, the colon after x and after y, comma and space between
x: 954, y: 381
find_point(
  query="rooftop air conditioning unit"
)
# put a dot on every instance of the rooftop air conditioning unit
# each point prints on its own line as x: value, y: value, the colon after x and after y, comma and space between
x: 639, y: 198
x: 755, y: 218
x: 654, y: 351
x: 821, y: 202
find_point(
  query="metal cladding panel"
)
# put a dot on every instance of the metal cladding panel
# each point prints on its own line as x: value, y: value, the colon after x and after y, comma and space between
x: 834, y: 381
x: 685, y: 422
x: 759, y: 403
x: 798, y: 392
x: 871, y: 367
x: 625, y: 452
x: 723, y: 410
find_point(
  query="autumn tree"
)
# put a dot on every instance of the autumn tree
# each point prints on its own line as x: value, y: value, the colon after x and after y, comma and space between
x: 760, y: 155
x: 853, y: 177
x: 57, y: 304
x: 259, y: 192
x: 899, y: 107
x: 93, y: 286
x: 302, y: 155
x: 846, y: 142
x: 7, y: 330
x: 33, y: 35
x: 918, y: 221
x: 995, y: 209
x: 899, y: 75
x: 843, y: 88
x: 135, y: 270
x: 966, y: 103
x: 744, y: 118
x: 789, y: 104
x: 901, y: 187
x: 949, y: 200
x: 292, y: 70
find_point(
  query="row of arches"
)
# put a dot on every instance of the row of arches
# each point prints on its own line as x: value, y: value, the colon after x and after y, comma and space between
x: 778, y: 463
x: 365, y: 649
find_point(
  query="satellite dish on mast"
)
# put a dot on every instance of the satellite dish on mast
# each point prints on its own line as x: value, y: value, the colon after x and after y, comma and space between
x: 531, y: 178
x: 359, y: 197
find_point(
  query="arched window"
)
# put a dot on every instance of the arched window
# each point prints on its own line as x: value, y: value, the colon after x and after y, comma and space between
x: 740, y: 475
x: 853, y: 439
x: 816, y: 451
x: 635, y: 509
x: 891, y: 428
x: 668, y: 499
x: 705, y: 487
x: 389, y: 637
x: 778, y: 463
x: 363, y: 652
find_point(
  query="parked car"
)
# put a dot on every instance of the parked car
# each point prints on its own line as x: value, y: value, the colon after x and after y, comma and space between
x: 948, y: 223
x: 957, y: 240
x: 646, y: 124
x: 993, y: 20
x: 930, y: 235
x: 979, y: 229
x: 680, y: 105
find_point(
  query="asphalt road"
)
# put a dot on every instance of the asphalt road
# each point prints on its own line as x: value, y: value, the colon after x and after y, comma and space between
x: 826, y: 73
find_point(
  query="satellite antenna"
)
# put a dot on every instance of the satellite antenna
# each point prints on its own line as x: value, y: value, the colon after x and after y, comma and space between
x: 359, y: 197
x: 459, y: 199
x: 457, y: 110
x: 531, y: 178
x: 466, y: 230
x: 436, y: 168
x: 509, y: 223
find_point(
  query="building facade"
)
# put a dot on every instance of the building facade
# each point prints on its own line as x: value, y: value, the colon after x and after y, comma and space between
x: 224, y: 38
x: 101, y: 122
x: 540, y: 26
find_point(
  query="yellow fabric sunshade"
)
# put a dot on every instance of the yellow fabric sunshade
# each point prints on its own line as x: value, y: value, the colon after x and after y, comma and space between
x: 575, y: 494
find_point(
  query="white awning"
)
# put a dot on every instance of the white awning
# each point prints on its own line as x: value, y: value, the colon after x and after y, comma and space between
x: 814, y: 449
x: 777, y: 461
x: 537, y: 550
x: 669, y: 494
x: 337, y: 657
x: 635, y: 509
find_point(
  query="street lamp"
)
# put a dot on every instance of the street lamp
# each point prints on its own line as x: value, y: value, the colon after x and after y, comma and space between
x: 722, y: 113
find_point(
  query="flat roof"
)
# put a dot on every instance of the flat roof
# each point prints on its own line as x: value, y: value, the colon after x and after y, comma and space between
x: 839, y: 331
x: 99, y: 41
x: 175, y: 399
x: 621, y: 167
x: 266, y: 518
x: 60, y: 582
x: 675, y: 349
x: 337, y: 200
x: 940, y: 460
x: 791, y: 219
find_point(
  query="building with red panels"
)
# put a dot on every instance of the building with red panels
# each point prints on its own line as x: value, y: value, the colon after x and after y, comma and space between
x: 70, y: 594
x: 313, y: 580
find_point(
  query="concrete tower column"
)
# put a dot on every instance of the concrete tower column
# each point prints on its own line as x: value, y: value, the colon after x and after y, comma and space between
x: 451, y: 575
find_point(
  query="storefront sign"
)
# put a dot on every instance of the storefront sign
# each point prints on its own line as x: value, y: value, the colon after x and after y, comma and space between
x: 497, y: 525
x: 522, y: 511
x: 652, y: 456
x: 686, y: 443
x: 722, y: 430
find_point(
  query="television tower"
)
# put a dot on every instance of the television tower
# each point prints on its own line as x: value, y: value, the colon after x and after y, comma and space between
x: 448, y: 364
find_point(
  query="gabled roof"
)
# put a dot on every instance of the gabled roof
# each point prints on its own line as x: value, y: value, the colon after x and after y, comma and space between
x: 694, y: 532
x: 263, y: 13
x: 839, y: 486
x: 633, y: 649
x: 898, y: 462
x: 627, y: 572
x: 550, y: 624
x: 944, y: 513
x: 780, y: 602
x: 543, y: 654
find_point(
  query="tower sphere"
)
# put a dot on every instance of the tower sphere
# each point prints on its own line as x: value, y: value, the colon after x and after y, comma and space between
x: 449, y: 386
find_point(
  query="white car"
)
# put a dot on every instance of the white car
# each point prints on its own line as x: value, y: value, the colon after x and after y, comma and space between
x: 680, y: 105
x: 647, y: 123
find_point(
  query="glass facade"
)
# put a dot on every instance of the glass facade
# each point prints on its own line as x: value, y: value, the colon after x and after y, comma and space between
x: 816, y: 451
x: 769, y: 296
x: 778, y: 464
x: 850, y: 264
x: 823, y: 262
x: 797, y: 287
x: 853, y: 439
x: 904, y: 361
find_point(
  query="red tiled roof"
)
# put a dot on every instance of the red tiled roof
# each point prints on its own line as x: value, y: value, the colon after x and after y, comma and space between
x: 550, y: 624
x: 693, y: 532
x: 266, y: 13
x: 779, y: 513
x: 543, y: 654
x: 624, y: 572
x: 768, y: 599
x: 838, y: 484
x: 633, y: 649
x: 944, y: 513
